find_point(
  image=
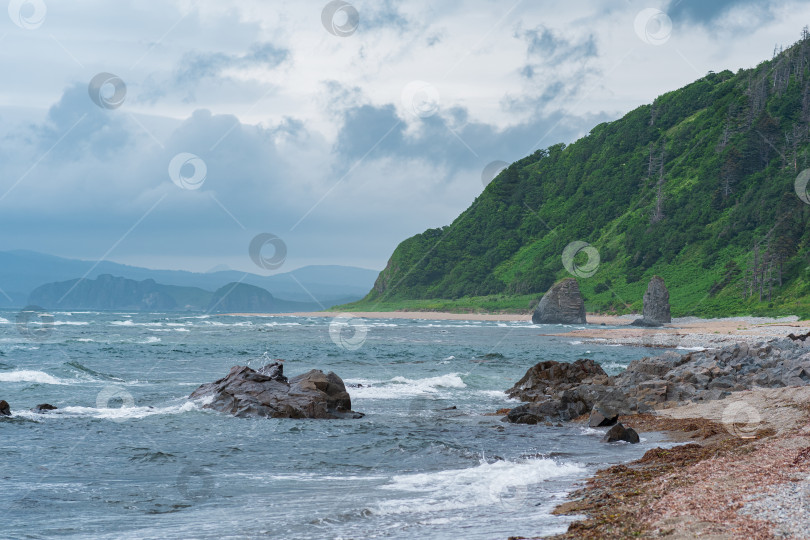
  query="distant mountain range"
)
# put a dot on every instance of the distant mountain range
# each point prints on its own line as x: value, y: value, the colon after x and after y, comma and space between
x: 108, y: 292
x: 307, y: 288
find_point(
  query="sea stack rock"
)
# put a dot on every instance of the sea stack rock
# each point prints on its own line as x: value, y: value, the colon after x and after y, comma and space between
x: 562, y: 304
x: 266, y: 392
x: 656, y: 304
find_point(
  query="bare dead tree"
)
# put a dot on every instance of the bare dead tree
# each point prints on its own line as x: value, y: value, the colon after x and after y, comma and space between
x: 658, y: 213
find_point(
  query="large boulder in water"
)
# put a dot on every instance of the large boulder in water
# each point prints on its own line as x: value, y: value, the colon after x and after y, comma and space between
x: 266, y: 392
x: 5, y: 409
x: 656, y: 304
x: 620, y: 433
x: 562, y: 304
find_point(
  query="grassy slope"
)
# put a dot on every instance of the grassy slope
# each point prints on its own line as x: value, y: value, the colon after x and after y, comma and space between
x: 731, y: 146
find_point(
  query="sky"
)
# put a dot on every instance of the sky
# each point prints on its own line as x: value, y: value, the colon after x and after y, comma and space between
x: 172, y: 134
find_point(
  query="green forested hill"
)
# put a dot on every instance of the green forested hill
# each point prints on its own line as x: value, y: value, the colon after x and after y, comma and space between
x: 698, y: 187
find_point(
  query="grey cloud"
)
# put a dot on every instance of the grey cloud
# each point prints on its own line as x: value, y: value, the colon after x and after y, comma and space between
x: 444, y: 139
x: 81, y: 128
x: 550, y: 48
x: 193, y: 67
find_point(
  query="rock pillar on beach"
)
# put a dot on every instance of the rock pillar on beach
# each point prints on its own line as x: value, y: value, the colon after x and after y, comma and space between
x: 562, y: 304
x: 656, y: 304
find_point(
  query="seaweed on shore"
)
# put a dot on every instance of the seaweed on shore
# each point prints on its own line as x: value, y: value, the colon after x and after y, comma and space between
x: 614, y: 498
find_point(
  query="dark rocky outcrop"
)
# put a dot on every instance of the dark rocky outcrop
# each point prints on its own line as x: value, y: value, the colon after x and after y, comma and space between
x: 562, y: 304
x: 266, y: 392
x: 559, y: 391
x: 43, y: 407
x: 656, y: 305
x: 620, y: 433
x: 549, y: 377
x: 5, y: 409
x: 602, y: 416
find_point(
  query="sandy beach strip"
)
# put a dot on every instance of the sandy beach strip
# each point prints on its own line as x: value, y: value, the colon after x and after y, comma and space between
x: 417, y: 315
x: 687, y: 332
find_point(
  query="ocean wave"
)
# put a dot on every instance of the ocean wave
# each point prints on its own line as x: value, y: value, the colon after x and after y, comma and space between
x: 402, y: 387
x: 502, y: 482
x: 111, y: 413
x: 27, y: 375
x: 150, y: 339
x: 133, y: 323
x: 70, y: 323
x: 498, y: 394
x: 95, y: 374
x: 4, y: 321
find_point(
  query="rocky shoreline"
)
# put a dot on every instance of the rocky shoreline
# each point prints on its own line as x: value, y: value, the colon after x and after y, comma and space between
x: 743, y: 411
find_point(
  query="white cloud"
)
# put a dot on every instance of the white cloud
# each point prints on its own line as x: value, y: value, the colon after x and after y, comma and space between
x: 284, y: 92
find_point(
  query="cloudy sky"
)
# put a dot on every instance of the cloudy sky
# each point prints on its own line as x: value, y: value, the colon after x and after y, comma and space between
x: 169, y: 134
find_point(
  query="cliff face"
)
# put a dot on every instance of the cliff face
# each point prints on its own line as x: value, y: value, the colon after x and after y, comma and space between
x: 704, y: 187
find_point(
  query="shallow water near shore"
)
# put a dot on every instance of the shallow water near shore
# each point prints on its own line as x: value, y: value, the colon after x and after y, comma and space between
x: 127, y: 455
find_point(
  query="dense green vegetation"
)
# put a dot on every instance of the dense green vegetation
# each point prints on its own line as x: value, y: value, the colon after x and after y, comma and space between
x: 697, y: 187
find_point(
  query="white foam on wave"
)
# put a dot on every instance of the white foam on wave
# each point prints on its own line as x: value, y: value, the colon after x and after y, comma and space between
x: 111, y: 413
x: 274, y: 323
x: 614, y: 365
x: 498, y: 394
x: 150, y: 339
x: 400, y: 387
x: 70, y: 323
x: 502, y: 482
x: 133, y: 323
x: 27, y: 375
x: 4, y: 321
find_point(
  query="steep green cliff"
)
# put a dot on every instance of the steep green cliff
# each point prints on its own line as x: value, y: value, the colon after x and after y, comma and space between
x: 698, y: 187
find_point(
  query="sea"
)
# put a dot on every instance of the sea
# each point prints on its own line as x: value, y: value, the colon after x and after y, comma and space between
x: 128, y: 455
